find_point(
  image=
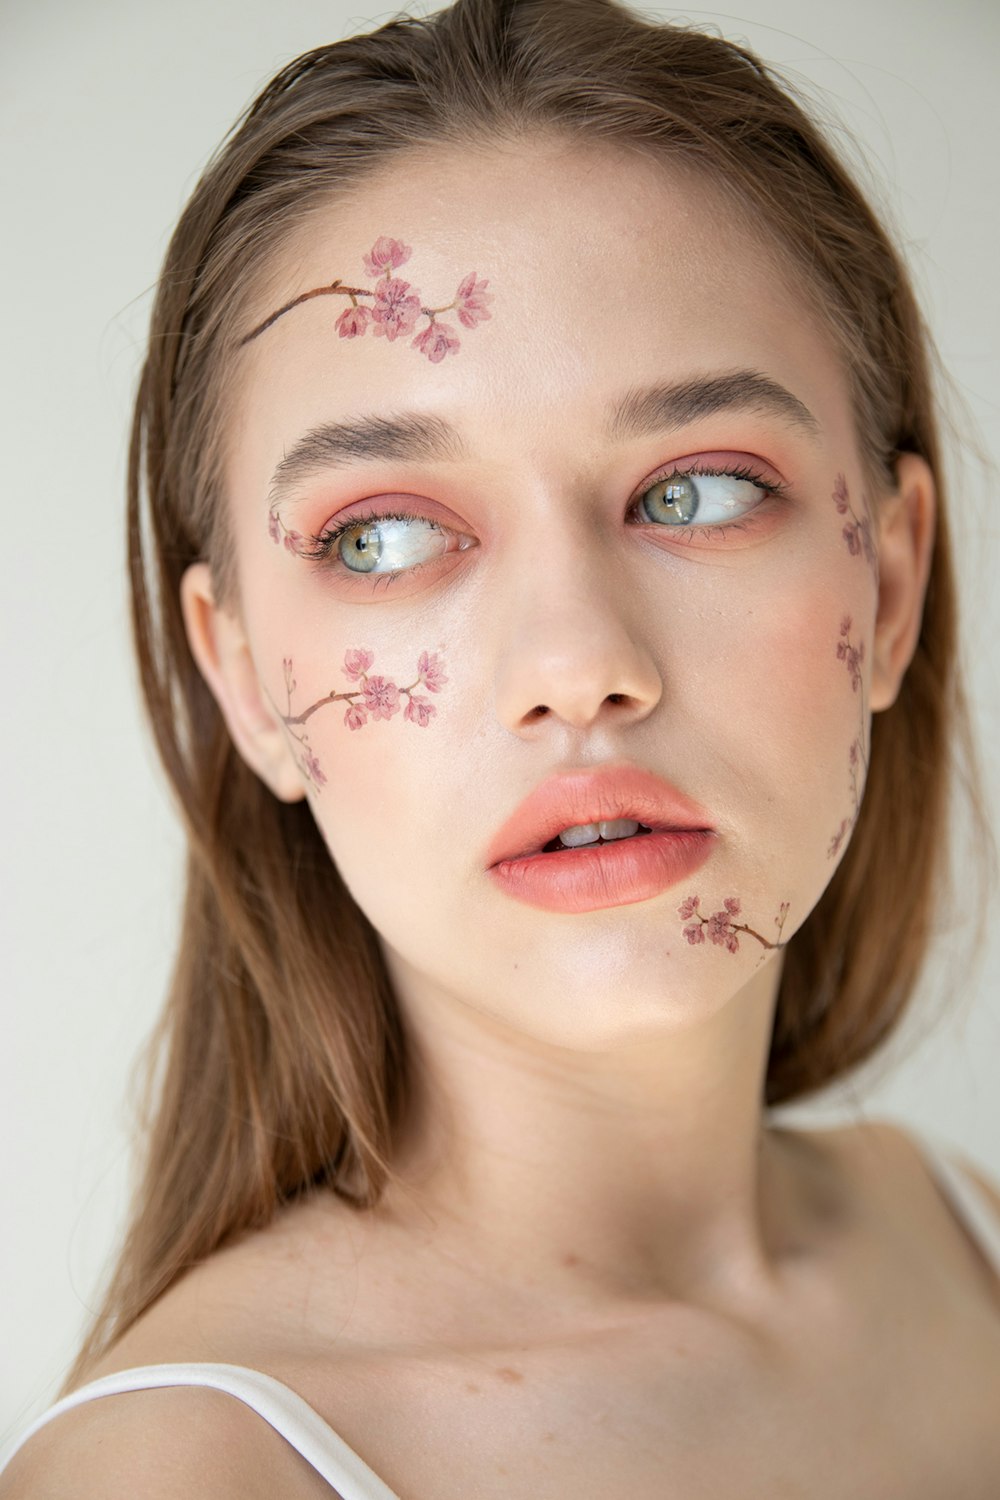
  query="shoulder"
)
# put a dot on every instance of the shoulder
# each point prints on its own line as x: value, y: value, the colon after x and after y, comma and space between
x: 192, y: 1441
x: 173, y: 1442
x: 902, y: 1165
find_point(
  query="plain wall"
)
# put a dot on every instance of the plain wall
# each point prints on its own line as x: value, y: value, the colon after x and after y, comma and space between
x: 109, y: 110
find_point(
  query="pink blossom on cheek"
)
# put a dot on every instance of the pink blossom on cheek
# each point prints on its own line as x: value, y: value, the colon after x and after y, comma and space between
x: 381, y: 697
x: 355, y: 716
x: 430, y: 671
x: 312, y: 767
x: 695, y: 934
x: 686, y: 910
x: 418, y: 710
x: 357, y: 662
x: 840, y: 498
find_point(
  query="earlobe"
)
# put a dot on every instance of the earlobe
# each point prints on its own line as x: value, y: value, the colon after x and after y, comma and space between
x: 222, y: 652
x: 906, y: 521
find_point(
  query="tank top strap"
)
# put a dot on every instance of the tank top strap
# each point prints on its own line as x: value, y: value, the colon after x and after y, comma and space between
x: 280, y: 1407
x: 968, y: 1199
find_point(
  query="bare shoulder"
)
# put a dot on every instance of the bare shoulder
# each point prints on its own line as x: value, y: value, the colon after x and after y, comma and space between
x: 165, y: 1443
x: 185, y: 1442
x: 896, y: 1163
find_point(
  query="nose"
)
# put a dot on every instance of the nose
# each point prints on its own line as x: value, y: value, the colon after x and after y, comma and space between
x: 571, y: 643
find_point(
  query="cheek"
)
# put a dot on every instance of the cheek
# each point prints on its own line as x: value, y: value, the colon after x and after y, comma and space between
x: 787, y: 698
x: 363, y: 718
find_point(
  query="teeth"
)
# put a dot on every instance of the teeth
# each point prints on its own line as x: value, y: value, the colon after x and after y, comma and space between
x: 588, y: 833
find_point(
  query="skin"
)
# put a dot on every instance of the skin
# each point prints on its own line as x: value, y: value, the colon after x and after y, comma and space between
x: 587, y: 1120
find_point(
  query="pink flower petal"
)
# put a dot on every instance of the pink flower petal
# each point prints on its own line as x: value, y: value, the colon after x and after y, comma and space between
x: 436, y: 341
x: 381, y: 697
x: 395, y: 309
x: 430, y: 671
x: 386, y: 254
x: 357, y: 662
x: 352, y: 322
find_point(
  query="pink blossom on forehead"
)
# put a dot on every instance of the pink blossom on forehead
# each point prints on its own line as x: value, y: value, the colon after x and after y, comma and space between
x: 395, y: 304
x: 386, y: 255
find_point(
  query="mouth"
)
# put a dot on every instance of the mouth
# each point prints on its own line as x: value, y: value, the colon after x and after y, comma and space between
x: 556, y: 845
x: 576, y: 810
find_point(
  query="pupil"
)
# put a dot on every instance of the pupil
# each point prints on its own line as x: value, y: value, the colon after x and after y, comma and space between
x: 364, y: 550
x: 680, y: 498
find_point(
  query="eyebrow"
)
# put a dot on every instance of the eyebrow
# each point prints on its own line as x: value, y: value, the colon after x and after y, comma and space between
x: 640, y: 412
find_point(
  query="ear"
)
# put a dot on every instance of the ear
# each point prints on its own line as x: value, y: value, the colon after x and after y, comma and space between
x: 220, y: 647
x: 905, y: 523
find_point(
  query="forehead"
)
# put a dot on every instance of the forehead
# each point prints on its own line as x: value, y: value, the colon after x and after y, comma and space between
x: 607, y: 269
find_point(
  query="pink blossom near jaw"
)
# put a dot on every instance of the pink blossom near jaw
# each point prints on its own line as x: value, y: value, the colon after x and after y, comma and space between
x: 720, y: 927
x: 395, y: 307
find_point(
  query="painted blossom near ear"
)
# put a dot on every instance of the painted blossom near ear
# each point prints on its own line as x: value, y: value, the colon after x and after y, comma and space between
x: 720, y: 927
x: 377, y: 697
x: 396, y: 304
x: 852, y: 656
x: 857, y: 532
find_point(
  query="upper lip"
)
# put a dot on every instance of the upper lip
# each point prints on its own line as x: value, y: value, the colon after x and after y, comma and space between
x: 574, y: 797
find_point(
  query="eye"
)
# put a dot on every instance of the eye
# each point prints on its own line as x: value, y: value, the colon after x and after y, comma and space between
x: 383, y: 543
x: 696, y: 498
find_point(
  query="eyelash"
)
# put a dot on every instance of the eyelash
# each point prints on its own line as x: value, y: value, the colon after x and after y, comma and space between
x: 320, y: 549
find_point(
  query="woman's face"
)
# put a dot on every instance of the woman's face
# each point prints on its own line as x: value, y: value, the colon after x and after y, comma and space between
x: 715, y: 630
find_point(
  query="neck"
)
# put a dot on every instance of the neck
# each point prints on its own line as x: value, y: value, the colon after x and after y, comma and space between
x: 643, y: 1171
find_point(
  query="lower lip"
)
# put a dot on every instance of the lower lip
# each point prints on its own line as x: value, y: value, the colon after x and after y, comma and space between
x: 600, y: 875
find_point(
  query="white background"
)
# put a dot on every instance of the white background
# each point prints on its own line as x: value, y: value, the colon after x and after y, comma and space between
x: 108, y: 111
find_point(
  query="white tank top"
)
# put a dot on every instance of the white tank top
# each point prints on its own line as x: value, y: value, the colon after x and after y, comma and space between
x: 327, y: 1452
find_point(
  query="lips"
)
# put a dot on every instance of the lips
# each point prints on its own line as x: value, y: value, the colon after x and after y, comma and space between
x: 612, y: 791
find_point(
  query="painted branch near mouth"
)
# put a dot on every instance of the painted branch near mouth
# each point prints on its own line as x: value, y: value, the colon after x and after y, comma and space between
x: 722, y: 929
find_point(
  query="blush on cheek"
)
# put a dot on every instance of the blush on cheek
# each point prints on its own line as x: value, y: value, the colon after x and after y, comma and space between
x: 373, y: 696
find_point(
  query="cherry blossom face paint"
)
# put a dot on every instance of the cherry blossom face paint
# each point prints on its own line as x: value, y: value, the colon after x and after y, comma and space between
x: 375, y: 697
x: 627, y: 524
x: 395, y: 306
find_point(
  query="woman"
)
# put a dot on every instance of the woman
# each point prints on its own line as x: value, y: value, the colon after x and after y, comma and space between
x: 545, y: 607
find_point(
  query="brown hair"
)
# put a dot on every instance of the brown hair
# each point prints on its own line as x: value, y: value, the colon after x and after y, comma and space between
x: 283, y: 1063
